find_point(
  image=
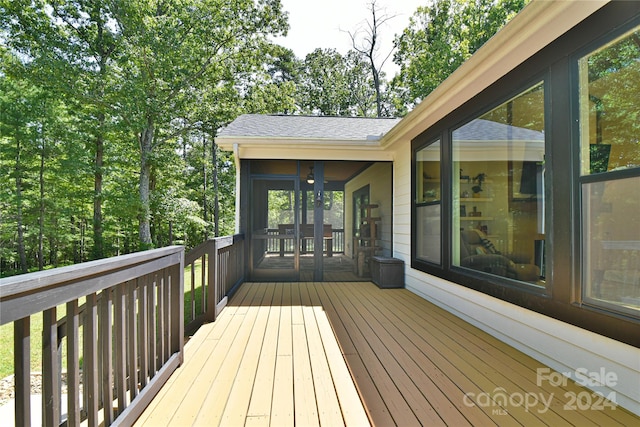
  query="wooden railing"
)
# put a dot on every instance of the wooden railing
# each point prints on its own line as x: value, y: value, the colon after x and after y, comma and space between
x: 220, y: 262
x: 273, y: 245
x: 123, y: 324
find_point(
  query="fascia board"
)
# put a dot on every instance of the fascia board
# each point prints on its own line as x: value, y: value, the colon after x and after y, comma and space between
x: 287, y: 152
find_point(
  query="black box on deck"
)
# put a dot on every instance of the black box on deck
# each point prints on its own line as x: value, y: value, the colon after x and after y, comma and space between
x: 387, y: 272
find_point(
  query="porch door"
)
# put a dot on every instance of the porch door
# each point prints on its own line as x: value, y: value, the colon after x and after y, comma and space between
x: 288, y: 235
x: 275, y: 229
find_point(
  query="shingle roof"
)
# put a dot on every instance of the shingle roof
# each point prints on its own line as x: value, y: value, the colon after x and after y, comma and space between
x: 308, y: 127
x: 486, y: 130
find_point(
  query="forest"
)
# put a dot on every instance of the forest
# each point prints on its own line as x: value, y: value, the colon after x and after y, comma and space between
x: 109, y: 109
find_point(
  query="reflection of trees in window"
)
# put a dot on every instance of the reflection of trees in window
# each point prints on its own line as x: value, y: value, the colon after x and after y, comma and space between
x: 614, y: 107
x: 525, y: 111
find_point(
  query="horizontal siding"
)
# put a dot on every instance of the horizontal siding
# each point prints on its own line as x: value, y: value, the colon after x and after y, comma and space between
x: 378, y: 177
x: 402, y: 204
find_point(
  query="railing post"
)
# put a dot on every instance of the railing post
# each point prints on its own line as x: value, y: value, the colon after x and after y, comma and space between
x: 176, y: 278
x: 212, y: 258
x: 218, y: 282
x: 143, y: 334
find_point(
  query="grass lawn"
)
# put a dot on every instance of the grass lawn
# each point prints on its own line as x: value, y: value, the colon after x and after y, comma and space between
x: 6, y: 331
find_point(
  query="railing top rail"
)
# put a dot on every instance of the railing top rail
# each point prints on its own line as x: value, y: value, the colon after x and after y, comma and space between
x: 219, y: 242
x: 31, y: 293
x: 197, y: 252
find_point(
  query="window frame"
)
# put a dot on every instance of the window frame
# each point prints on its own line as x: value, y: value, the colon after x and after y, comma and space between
x: 424, y: 263
x: 443, y: 131
x: 581, y: 180
x: 511, y: 94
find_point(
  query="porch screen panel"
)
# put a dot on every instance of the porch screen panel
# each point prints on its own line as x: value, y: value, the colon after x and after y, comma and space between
x: 609, y: 88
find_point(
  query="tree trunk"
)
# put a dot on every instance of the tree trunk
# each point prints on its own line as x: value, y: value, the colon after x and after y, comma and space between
x: 21, y: 250
x: 216, y: 201
x: 41, y: 213
x: 98, y: 239
x: 204, y: 185
x: 376, y: 83
x: 146, y: 147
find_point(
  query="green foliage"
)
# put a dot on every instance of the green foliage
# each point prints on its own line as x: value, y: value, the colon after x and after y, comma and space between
x: 440, y: 37
x: 336, y: 85
x: 105, y: 107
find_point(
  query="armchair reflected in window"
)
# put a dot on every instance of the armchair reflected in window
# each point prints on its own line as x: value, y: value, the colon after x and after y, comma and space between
x: 479, y: 253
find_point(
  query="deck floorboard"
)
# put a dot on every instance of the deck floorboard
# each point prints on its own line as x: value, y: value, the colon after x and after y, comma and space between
x: 331, y: 354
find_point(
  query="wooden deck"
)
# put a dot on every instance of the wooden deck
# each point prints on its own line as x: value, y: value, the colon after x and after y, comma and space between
x: 331, y: 354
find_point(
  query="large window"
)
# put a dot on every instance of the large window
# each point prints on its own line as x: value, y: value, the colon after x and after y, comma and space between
x: 498, y: 190
x: 609, y: 91
x: 530, y: 190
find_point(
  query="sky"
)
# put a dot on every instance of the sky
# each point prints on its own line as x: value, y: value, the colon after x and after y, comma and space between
x: 323, y: 24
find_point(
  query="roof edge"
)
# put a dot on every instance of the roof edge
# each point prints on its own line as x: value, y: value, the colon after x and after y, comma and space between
x: 226, y: 142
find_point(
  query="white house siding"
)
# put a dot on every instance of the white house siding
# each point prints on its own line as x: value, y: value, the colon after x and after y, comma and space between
x: 379, y: 179
x: 561, y: 346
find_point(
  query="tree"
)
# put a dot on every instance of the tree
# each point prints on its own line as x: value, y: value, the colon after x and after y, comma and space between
x: 335, y: 85
x: 33, y: 123
x: 365, y: 42
x: 440, y: 38
x: 174, y: 51
x: 271, y: 88
x: 72, y: 45
x: 83, y: 79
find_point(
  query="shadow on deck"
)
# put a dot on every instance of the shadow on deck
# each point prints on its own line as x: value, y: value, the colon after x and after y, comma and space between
x: 352, y: 354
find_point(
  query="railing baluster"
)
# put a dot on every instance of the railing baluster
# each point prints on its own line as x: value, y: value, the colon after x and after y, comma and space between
x: 203, y: 288
x: 106, y: 340
x: 90, y: 355
x: 160, y: 320
x: 22, y: 363
x: 120, y: 346
x: 143, y: 300
x: 192, y: 293
x: 151, y: 313
x: 132, y: 340
x: 50, y: 370
x: 166, y: 313
x: 73, y: 364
